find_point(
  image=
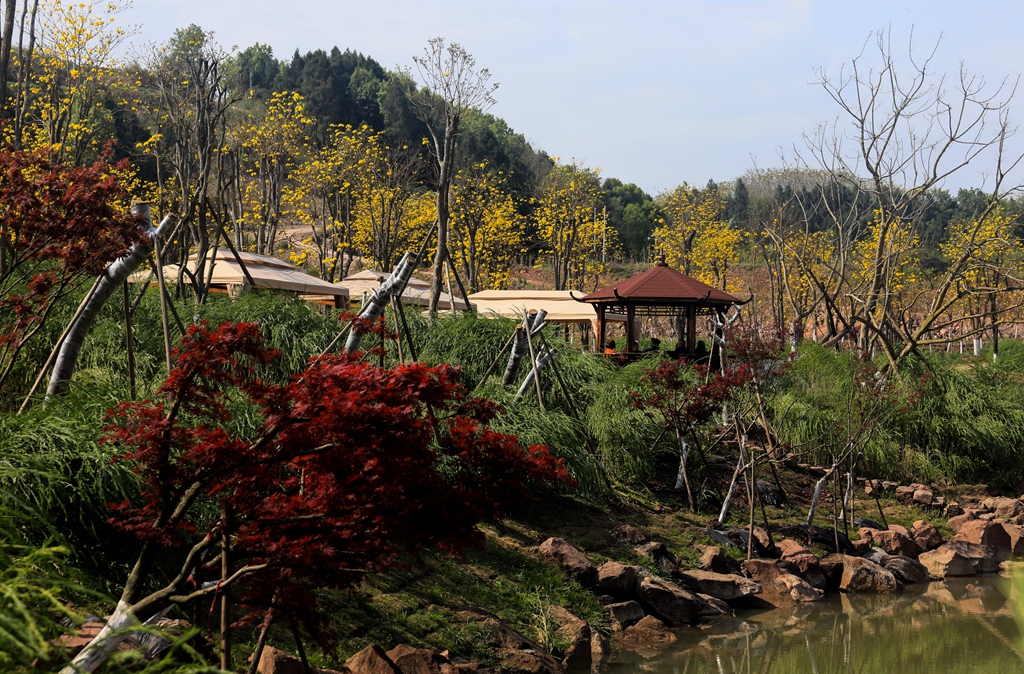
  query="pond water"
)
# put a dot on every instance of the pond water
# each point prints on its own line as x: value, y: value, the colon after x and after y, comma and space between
x: 963, y: 626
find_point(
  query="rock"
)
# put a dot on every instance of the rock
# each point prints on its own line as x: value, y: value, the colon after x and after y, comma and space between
x: 569, y: 558
x: 946, y: 561
x: 925, y: 535
x: 576, y: 633
x: 923, y: 495
x: 832, y: 568
x: 862, y: 575
x: 371, y: 660
x: 762, y: 537
x: 876, y: 555
x: 661, y: 555
x: 669, y: 602
x: 617, y: 580
x: 1011, y: 566
x: 909, y: 571
x: 958, y: 521
x: 766, y: 570
x: 625, y: 534
x: 893, y: 541
x: 714, y: 558
x: 1004, y: 507
x: 987, y: 517
x: 952, y: 509
x: 722, y: 586
x: 809, y: 570
x: 81, y: 638
x: 624, y: 614
x: 274, y: 661
x: 411, y: 660
x: 1016, y: 534
x: 512, y: 650
x: 649, y: 631
x: 889, y: 486
x: 714, y: 607
x: 600, y: 650
x: 861, y: 546
x: 986, y: 534
x: 790, y: 548
x: 905, y: 495
x: 799, y: 589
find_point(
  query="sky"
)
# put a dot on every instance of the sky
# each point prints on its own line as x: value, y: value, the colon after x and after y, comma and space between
x: 653, y: 92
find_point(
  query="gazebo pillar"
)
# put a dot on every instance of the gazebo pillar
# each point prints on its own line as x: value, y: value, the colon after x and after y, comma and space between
x: 691, y: 328
x: 631, y: 335
x: 599, y: 343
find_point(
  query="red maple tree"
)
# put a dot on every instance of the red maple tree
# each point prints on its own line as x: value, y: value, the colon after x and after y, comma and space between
x: 351, y: 467
x: 58, y: 225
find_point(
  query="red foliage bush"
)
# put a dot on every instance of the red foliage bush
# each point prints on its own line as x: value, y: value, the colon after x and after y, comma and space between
x: 353, y: 467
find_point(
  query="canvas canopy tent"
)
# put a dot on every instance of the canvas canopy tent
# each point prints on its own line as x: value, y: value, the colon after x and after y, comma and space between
x: 560, y: 305
x: 266, y: 272
x: 417, y: 292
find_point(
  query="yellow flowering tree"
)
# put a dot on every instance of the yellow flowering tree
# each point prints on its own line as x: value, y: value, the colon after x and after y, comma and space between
x: 63, y: 76
x: 568, y: 227
x: 487, y: 231
x: 695, y: 238
x: 272, y: 145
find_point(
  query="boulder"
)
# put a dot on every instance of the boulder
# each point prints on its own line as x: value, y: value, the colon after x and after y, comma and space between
x: 946, y: 561
x: 616, y: 580
x: 714, y: 607
x: 986, y: 534
x: 952, y: 509
x: 274, y: 661
x: 576, y: 633
x: 905, y: 495
x: 908, y: 571
x: 661, y: 555
x: 569, y: 558
x: 600, y: 649
x: 923, y: 495
x: 893, y: 541
x: 863, y: 575
x: 722, y: 586
x: 790, y: 548
x: 411, y: 660
x: 925, y: 535
x: 714, y: 558
x: 371, y: 660
x: 762, y: 537
x: 767, y: 570
x: 624, y: 614
x: 1016, y: 534
x: 669, y: 602
x: 512, y: 650
x: 800, y: 591
x: 832, y: 568
x: 1004, y: 507
x: 649, y: 631
x: 958, y: 521
x: 877, y: 555
x: 809, y: 570
x: 628, y: 535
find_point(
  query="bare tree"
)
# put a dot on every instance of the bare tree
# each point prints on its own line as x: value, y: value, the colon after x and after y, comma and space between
x: 903, y: 130
x: 454, y: 86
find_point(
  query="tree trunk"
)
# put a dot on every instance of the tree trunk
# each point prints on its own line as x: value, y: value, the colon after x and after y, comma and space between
x: 113, y: 277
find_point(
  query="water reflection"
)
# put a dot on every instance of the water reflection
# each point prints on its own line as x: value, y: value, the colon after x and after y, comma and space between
x: 957, y: 626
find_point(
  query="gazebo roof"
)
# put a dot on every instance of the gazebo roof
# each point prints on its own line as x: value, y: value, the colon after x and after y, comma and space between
x: 661, y: 285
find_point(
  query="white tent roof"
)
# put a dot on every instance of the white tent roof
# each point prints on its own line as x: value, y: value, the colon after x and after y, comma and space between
x: 266, y: 272
x: 417, y: 292
x: 559, y: 304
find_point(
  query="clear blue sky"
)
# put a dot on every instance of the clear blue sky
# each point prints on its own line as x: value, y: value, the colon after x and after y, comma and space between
x: 651, y: 92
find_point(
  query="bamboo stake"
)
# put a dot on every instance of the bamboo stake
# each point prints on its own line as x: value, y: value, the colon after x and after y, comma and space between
x: 128, y: 343
x: 533, y: 364
x: 163, y: 303
x: 260, y: 643
x: 494, y: 363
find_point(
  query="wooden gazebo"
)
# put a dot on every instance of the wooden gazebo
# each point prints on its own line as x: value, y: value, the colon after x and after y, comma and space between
x: 659, y: 292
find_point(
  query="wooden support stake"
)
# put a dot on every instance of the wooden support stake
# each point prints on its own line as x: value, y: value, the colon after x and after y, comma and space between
x: 257, y: 653
x: 225, y: 597
x: 398, y: 331
x: 130, y: 348
x: 405, y: 328
x: 163, y: 302
x: 298, y: 644
x: 494, y: 363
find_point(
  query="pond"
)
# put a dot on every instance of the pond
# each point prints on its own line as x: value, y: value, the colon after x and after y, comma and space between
x: 963, y: 626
